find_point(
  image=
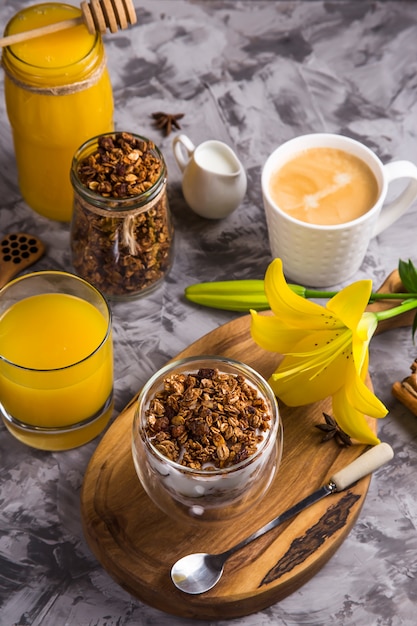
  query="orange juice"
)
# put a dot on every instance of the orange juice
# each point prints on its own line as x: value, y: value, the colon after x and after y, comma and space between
x: 58, y: 95
x: 56, y: 369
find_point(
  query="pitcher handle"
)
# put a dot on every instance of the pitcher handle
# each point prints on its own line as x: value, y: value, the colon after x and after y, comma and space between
x: 395, y: 209
x: 179, y: 144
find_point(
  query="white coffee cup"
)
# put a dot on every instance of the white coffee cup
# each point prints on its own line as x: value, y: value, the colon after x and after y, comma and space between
x: 324, y: 255
x: 214, y: 180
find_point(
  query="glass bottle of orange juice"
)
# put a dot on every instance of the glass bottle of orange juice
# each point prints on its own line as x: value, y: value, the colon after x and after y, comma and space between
x: 58, y: 94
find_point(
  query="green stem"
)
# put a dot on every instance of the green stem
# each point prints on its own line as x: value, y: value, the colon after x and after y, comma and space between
x: 408, y: 305
x: 392, y: 296
x: 312, y: 293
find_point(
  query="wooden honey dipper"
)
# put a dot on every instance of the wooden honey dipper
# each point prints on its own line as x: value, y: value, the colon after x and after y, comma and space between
x: 97, y: 15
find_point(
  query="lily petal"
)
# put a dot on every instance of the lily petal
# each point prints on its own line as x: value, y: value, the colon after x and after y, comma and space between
x: 352, y: 421
x: 361, y: 339
x: 349, y: 304
x: 289, y: 307
x: 308, y: 373
x: 362, y: 398
x: 269, y: 333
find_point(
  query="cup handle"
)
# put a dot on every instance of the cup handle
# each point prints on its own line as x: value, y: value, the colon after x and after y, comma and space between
x: 395, y: 209
x: 179, y: 144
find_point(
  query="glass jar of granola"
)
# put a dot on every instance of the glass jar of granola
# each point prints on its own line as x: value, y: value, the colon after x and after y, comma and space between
x: 121, y: 229
x: 58, y: 94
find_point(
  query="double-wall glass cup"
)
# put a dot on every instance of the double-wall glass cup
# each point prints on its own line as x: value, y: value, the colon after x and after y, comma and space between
x: 216, y: 491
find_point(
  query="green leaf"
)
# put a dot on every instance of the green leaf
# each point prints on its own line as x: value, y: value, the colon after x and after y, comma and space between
x: 408, y: 275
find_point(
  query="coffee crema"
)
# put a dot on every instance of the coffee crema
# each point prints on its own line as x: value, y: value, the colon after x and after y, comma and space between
x: 324, y: 186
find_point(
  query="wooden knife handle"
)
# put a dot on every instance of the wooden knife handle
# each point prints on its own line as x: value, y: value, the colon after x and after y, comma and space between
x: 362, y: 466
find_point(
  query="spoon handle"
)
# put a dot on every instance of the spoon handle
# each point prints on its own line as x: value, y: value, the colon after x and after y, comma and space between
x: 10, y: 40
x: 98, y: 15
x: 365, y: 464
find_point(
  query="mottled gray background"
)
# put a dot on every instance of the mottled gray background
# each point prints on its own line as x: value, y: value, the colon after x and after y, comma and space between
x: 251, y: 73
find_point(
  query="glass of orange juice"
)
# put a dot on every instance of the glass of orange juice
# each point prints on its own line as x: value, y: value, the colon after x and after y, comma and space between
x: 56, y: 360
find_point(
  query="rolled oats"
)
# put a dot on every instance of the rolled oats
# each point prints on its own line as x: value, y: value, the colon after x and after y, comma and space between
x: 207, y: 419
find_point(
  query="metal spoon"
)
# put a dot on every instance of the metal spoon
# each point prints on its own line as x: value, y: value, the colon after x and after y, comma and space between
x: 17, y: 252
x: 199, y: 572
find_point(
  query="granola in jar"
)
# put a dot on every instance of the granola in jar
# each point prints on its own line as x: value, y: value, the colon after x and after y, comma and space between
x: 121, y: 230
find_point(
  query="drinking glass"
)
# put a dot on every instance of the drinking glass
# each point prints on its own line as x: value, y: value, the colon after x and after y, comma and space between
x: 56, y: 360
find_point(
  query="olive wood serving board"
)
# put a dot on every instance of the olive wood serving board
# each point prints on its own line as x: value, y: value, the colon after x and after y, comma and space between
x: 137, y: 544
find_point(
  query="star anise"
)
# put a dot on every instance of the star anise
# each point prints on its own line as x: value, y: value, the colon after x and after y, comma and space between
x: 332, y: 430
x: 167, y: 121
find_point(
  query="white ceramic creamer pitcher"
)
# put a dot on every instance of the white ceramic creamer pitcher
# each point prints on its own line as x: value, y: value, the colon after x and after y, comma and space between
x: 214, y: 180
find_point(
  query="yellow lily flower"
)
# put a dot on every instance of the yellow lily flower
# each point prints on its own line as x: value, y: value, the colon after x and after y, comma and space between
x: 326, y: 350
